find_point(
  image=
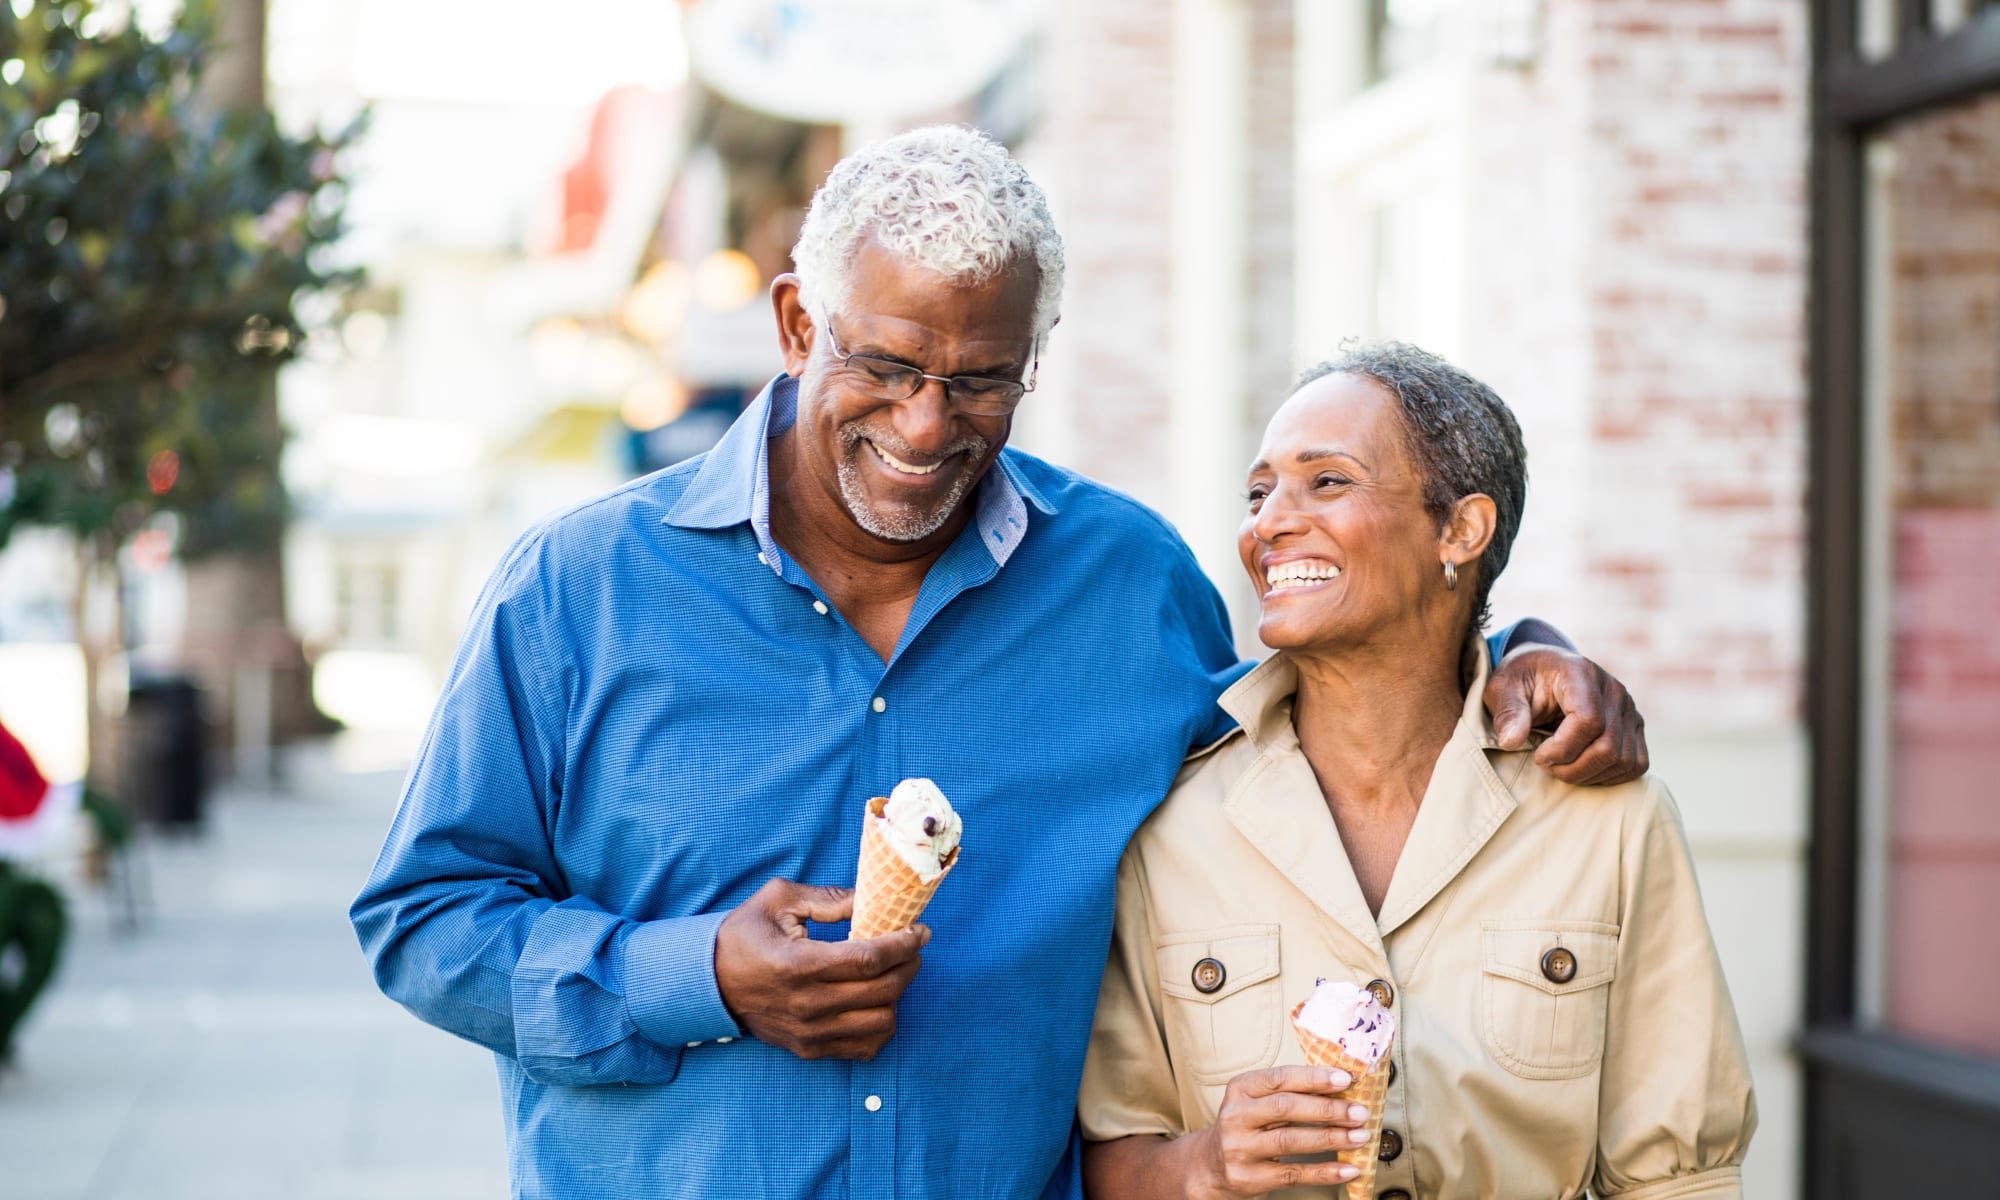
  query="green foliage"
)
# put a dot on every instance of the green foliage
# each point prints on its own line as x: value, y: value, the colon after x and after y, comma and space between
x: 151, y: 252
x: 32, y: 924
x: 108, y: 820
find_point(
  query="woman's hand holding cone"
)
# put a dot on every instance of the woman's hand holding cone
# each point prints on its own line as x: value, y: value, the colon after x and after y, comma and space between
x: 1272, y: 1114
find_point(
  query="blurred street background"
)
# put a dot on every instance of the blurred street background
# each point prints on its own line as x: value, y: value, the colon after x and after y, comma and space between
x: 292, y: 349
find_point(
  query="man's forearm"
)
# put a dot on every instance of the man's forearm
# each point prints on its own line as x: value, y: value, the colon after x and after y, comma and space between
x: 576, y: 995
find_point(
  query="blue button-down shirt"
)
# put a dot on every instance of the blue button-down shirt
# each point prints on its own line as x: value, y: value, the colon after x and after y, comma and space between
x: 654, y: 711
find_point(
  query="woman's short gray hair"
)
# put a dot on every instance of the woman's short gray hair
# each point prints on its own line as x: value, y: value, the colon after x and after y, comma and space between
x: 1462, y: 437
x: 945, y: 197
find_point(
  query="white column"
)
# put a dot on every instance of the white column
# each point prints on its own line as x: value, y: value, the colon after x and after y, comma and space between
x: 1207, y: 446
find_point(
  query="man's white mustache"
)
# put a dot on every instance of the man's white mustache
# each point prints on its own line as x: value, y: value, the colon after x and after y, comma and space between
x: 854, y: 433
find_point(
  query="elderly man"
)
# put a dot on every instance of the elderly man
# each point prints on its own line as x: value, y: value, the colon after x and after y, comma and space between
x: 646, y: 776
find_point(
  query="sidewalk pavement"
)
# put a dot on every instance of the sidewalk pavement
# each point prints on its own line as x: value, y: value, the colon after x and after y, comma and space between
x: 235, y: 1046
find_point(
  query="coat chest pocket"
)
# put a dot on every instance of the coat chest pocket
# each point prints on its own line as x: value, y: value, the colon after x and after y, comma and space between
x: 1543, y: 993
x: 1223, y: 1008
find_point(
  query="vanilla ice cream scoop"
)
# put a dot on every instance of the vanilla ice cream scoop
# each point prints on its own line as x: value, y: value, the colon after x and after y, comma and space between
x: 919, y: 824
x: 1340, y: 1012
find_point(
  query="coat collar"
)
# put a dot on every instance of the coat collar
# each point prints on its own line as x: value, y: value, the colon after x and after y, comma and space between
x: 1278, y: 807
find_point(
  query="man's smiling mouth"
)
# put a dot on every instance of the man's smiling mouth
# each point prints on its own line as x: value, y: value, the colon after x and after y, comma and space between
x: 906, y: 468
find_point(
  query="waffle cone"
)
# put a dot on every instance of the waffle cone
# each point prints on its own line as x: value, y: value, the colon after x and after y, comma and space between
x: 1370, y: 1087
x: 887, y: 893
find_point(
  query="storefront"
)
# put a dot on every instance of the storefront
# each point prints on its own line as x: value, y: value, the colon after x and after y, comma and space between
x: 1902, y: 1047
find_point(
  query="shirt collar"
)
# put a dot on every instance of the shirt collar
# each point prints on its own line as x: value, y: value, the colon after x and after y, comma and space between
x: 733, y: 484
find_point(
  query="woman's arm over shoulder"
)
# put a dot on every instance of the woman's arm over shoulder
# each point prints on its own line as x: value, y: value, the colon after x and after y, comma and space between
x: 1677, y: 1109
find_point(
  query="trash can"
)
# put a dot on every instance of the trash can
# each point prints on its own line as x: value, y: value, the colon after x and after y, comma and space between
x: 165, y: 764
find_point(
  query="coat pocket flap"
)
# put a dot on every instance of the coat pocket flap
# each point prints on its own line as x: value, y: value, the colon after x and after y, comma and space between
x: 1520, y: 950
x: 1245, y: 955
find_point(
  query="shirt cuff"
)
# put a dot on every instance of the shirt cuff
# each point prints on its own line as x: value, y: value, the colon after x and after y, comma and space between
x: 1722, y: 1183
x: 1530, y: 631
x: 670, y: 988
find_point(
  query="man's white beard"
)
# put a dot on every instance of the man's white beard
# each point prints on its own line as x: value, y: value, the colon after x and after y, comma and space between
x: 904, y: 525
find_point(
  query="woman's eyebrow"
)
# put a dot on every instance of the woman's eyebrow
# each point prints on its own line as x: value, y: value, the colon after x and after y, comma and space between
x: 1315, y: 455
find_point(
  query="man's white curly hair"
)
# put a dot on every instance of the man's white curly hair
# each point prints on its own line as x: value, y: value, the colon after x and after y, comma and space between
x: 947, y: 198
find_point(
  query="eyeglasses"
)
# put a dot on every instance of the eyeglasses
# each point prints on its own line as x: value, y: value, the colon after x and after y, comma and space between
x: 885, y: 379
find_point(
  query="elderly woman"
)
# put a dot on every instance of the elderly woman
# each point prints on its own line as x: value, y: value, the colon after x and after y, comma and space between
x: 1562, y: 1019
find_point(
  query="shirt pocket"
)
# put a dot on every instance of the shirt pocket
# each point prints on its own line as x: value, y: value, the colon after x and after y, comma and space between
x: 1224, y: 1005
x: 1544, y: 1012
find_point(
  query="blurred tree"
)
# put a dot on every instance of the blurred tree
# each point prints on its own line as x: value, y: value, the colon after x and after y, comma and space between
x: 153, y: 242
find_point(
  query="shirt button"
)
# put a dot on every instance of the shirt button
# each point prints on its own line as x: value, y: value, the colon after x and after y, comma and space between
x: 1208, y: 976
x: 1383, y: 993
x: 819, y: 606
x: 1559, y: 965
x: 692, y: 1045
x: 723, y: 1041
x: 872, y: 1104
x: 879, y: 704
x: 762, y: 559
x: 1395, y: 1194
x: 1392, y: 1145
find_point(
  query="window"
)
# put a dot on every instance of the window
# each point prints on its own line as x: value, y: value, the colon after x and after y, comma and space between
x: 366, y: 598
x: 1930, y: 765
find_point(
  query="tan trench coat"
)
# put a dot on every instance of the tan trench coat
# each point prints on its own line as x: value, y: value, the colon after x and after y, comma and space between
x: 1617, y: 1068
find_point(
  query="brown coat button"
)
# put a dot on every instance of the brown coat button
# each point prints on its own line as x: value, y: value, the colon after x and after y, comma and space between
x: 1392, y: 1071
x: 1559, y: 965
x: 1383, y: 993
x: 1394, y: 1194
x: 1392, y: 1145
x: 1208, y: 976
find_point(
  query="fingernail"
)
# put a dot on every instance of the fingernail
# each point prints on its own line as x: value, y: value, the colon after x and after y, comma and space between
x: 1339, y: 1079
x: 1357, y: 1112
x: 1348, y: 1172
x: 1357, y: 1136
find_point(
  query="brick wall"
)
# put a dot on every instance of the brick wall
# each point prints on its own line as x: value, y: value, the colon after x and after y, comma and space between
x: 1103, y: 146
x: 1639, y: 295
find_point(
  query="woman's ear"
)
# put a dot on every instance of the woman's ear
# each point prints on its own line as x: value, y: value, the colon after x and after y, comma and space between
x: 1469, y: 528
x: 796, y: 330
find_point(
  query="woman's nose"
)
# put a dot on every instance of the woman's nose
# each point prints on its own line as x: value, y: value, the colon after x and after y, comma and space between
x: 1276, y: 517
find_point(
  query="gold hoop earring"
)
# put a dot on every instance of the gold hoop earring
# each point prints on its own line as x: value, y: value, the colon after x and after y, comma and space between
x: 1450, y: 576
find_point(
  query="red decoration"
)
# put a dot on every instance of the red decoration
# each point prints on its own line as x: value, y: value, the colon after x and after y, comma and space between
x: 22, y: 787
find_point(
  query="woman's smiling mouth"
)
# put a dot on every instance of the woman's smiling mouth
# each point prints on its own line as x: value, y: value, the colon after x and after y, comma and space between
x: 1300, y: 573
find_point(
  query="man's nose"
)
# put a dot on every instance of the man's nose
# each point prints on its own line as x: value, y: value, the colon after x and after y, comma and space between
x: 925, y: 420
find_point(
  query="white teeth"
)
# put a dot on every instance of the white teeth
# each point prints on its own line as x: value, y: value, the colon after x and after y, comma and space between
x: 1301, y: 573
x: 904, y: 467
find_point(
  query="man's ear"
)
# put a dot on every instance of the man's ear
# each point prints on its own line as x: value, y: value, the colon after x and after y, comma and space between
x: 1469, y: 529
x: 796, y: 331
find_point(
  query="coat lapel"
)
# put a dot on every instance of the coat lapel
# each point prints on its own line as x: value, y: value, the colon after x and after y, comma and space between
x: 1277, y: 806
x: 1464, y: 805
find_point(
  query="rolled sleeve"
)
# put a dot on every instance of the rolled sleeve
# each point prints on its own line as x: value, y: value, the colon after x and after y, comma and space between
x: 1528, y: 631
x: 1676, y: 1109
x: 670, y: 988
x: 1723, y: 1183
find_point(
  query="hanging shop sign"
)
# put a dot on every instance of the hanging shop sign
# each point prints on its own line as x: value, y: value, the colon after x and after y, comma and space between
x: 853, y: 61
